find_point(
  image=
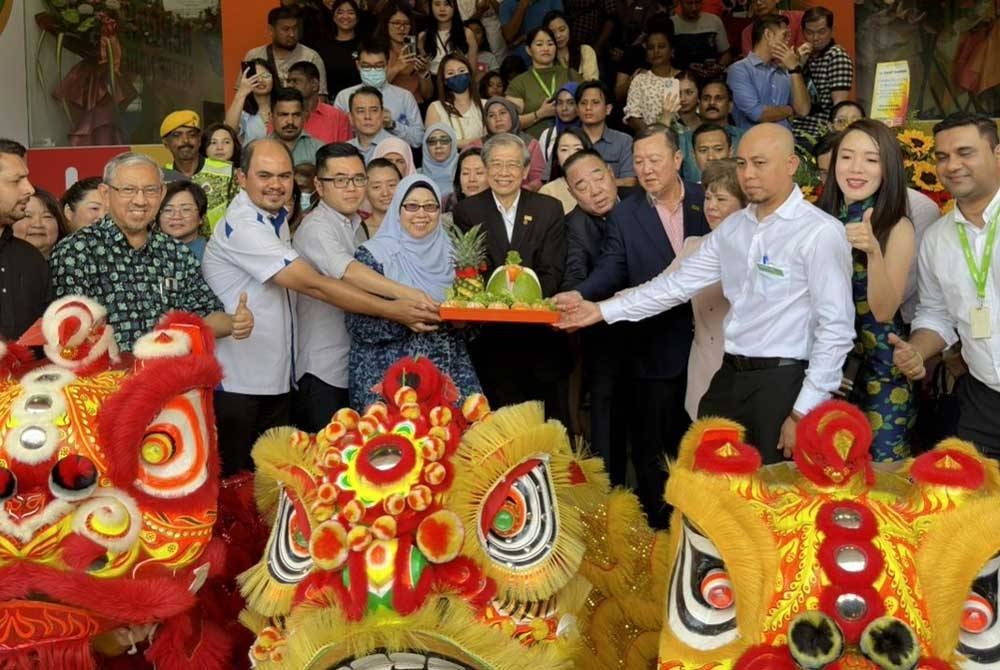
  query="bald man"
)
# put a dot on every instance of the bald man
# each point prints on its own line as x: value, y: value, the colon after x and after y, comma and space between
x: 785, y: 268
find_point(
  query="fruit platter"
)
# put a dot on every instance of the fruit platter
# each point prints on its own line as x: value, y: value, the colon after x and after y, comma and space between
x: 512, y: 294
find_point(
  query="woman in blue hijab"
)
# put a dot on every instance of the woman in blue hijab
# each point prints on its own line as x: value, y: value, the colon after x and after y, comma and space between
x: 440, y: 157
x: 412, y: 248
x: 566, y: 117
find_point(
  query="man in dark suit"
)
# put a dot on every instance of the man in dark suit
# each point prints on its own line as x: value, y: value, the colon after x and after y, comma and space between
x: 519, y: 362
x: 645, y: 233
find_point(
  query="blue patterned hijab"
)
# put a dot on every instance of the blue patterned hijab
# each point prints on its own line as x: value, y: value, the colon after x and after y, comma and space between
x: 425, y: 263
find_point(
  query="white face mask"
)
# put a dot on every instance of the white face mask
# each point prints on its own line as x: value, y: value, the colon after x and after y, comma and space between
x: 305, y: 201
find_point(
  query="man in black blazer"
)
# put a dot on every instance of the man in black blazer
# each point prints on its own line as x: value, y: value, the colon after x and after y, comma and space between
x: 519, y: 362
x: 645, y: 233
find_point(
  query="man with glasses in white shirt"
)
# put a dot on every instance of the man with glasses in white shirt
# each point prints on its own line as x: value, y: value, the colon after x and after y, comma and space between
x: 959, y: 295
x: 785, y: 268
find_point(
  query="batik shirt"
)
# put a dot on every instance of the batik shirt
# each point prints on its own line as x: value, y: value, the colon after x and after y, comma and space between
x: 136, y: 286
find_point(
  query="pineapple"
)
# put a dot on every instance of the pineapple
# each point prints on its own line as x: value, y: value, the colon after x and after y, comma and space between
x: 469, y: 256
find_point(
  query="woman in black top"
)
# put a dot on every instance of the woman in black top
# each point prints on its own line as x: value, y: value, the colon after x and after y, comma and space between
x: 338, y: 52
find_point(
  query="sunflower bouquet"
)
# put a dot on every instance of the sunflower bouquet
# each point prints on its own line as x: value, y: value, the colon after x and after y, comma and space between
x: 918, y: 162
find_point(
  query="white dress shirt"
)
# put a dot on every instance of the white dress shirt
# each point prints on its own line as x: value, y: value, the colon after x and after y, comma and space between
x: 788, y: 281
x: 508, y: 214
x: 923, y: 212
x: 948, y: 293
x: 328, y: 240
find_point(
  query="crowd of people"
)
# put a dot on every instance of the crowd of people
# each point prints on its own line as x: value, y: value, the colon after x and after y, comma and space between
x: 640, y: 159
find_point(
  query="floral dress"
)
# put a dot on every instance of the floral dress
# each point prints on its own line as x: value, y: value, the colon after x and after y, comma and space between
x: 884, y: 394
x: 378, y: 343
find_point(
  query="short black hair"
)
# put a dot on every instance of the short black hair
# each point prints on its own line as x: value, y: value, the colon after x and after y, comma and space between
x: 179, y: 186
x: 825, y: 144
x: 373, y: 45
x: 593, y: 83
x: 580, y: 155
x: 288, y: 94
x: 337, y: 150
x: 987, y: 127
x: 710, y: 128
x: 305, y: 67
x: 280, y: 14
x: 74, y: 194
x: 655, y: 129
x: 364, y: 90
x: 11, y: 147
x: 763, y: 23
x: 817, y: 13
x: 382, y: 162
x: 717, y: 81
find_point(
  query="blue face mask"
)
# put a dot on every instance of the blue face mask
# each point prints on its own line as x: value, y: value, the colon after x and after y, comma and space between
x: 305, y: 201
x: 373, y: 77
x: 459, y: 83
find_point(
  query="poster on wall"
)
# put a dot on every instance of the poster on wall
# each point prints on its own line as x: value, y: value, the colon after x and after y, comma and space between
x: 108, y: 71
x: 891, y: 96
x: 952, y: 48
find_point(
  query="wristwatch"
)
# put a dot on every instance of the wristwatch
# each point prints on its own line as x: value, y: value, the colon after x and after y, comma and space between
x: 796, y: 70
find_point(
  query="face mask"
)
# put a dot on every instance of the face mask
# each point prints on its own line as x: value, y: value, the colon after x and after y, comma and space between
x: 305, y: 201
x: 373, y: 78
x: 459, y: 83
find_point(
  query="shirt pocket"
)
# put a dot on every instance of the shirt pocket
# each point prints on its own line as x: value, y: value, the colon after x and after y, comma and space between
x: 772, y: 281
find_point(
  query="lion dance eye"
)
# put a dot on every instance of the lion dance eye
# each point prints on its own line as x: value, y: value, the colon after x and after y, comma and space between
x: 73, y: 477
x: 510, y: 518
x: 717, y: 589
x: 977, y: 615
x: 157, y: 448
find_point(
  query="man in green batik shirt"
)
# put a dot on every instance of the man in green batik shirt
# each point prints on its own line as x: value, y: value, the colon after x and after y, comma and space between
x: 181, y: 134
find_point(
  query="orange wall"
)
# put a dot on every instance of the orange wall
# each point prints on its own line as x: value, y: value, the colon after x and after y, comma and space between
x: 244, y: 26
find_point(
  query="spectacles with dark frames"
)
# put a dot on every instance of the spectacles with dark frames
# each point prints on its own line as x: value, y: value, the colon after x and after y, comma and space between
x: 132, y: 191
x: 429, y: 207
x: 341, y: 181
x: 439, y: 142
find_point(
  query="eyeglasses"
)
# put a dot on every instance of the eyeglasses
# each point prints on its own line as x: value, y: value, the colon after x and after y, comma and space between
x: 132, y: 191
x: 439, y: 142
x: 341, y: 181
x: 429, y: 207
x: 183, y: 211
x: 510, y: 166
x: 265, y: 76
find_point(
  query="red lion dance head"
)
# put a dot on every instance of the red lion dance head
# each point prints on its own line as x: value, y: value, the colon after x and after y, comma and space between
x: 108, y: 486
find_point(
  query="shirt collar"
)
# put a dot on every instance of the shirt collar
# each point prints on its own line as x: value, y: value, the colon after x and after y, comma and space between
x: 113, y: 233
x: 992, y: 209
x: 324, y: 210
x: 243, y: 201
x: 786, y: 210
x: 653, y: 202
x: 513, y: 207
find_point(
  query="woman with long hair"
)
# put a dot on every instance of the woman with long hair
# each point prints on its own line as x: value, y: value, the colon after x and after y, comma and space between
x: 447, y: 35
x: 250, y: 110
x: 491, y: 85
x: 338, y: 51
x: 571, y: 54
x: 486, y: 60
x: 534, y: 92
x: 42, y: 225
x: 222, y: 143
x: 407, y: 68
x: 644, y: 105
x: 458, y: 102
x: 470, y: 174
x: 570, y: 141
x: 866, y: 189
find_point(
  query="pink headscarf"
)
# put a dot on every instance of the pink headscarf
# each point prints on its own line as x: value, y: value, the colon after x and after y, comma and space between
x: 394, y: 145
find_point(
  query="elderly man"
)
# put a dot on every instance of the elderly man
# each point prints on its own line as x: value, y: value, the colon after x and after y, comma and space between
x: 251, y: 252
x: 137, y: 272
x: 181, y: 135
x: 785, y: 267
x: 24, y: 274
x: 518, y: 363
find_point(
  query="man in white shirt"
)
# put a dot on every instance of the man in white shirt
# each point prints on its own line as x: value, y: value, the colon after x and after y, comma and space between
x: 959, y: 295
x: 284, y: 51
x: 250, y: 252
x: 785, y: 268
x: 401, y: 115
x: 328, y: 238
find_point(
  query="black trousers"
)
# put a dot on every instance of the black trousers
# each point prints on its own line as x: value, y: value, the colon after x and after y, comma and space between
x: 316, y: 402
x: 610, y: 399
x: 979, y: 416
x: 659, y: 424
x: 760, y: 400
x: 241, y: 419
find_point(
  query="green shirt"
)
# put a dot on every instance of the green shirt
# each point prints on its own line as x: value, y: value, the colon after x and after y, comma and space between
x: 526, y: 87
x: 136, y: 286
x: 305, y: 148
x: 217, y: 180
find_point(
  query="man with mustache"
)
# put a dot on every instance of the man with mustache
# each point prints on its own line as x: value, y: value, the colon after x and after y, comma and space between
x: 181, y: 135
x: 251, y: 252
x: 24, y: 274
x: 288, y: 119
x: 715, y: 103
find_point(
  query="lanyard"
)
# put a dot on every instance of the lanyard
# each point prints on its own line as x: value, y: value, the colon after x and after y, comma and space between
x: 549, y: 90
x: 981, y: 273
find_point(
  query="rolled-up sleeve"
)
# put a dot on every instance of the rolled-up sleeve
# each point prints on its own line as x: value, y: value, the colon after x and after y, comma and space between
x: 830, y: 269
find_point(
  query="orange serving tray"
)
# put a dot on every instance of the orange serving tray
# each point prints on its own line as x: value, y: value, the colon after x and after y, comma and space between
x: 499, y: 315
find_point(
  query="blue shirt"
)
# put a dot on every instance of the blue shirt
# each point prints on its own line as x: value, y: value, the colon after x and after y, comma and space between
x: 367, y: 153
x: 689, y: 168
x: 403, y: 107
x: 615, y: 148
x: 757, y: 85
x: 533, y: 17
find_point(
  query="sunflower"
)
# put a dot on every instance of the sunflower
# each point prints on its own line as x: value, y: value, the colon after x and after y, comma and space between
x: 809, y: 193
x: 915, y: 143
x: 925, y: 177
x: 948, y: 206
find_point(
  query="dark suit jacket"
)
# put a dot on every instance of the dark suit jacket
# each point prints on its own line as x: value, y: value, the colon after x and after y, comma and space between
x: 584, y: 234
x: 636, y: 249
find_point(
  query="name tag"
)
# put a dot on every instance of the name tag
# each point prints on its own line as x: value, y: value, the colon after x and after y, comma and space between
x: 770, y: 270
x: 980, y: 323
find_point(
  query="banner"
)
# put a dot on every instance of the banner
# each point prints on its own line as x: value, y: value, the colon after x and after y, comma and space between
x: 891, y: 93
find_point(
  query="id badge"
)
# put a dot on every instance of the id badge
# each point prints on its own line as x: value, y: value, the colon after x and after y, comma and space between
x: 982, y: 324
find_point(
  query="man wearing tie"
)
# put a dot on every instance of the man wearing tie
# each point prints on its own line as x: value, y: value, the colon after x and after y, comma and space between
x: 519, y: 362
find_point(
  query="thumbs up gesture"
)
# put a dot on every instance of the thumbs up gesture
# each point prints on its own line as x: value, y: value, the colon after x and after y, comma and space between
x: 242, y: 319
x: 906, y: 358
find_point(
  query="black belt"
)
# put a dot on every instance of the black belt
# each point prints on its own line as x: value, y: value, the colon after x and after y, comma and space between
x: 744, y: 363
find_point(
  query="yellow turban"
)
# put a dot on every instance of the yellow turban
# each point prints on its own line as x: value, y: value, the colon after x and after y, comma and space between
x: 182, y: 117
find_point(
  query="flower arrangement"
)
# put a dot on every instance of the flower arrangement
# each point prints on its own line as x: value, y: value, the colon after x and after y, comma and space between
x: 918, y: 162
